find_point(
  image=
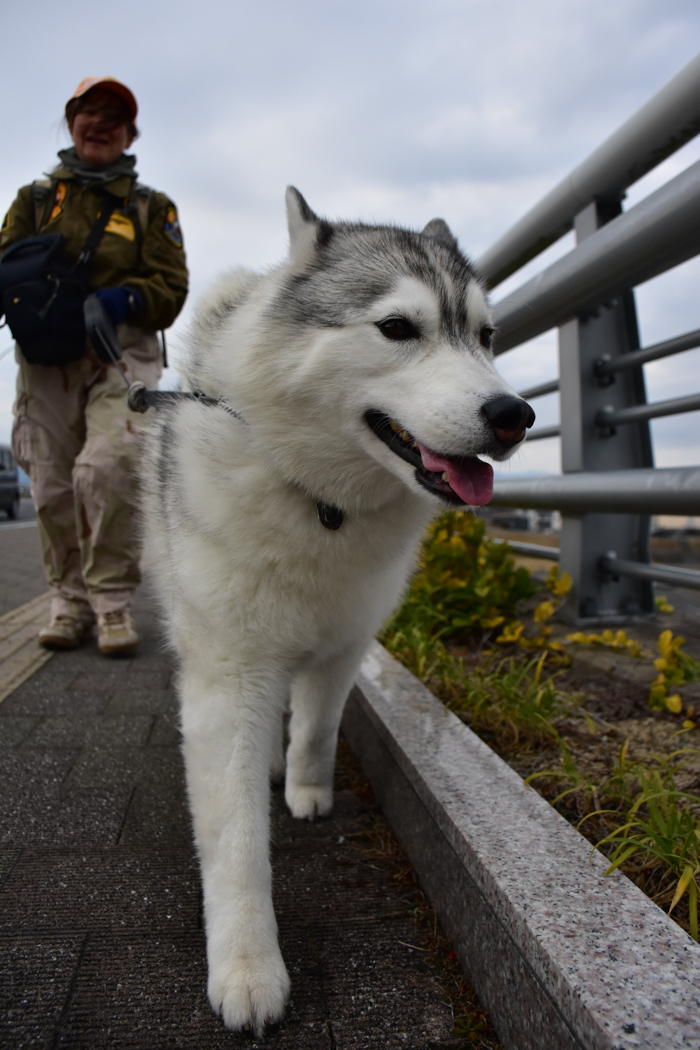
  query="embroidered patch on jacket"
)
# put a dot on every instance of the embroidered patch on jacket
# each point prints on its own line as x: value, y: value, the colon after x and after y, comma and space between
x: 58, y: 199
x: 121, y: 225
x: 172, y: 228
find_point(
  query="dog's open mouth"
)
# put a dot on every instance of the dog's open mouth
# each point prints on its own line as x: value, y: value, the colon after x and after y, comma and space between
x: 457, y: 479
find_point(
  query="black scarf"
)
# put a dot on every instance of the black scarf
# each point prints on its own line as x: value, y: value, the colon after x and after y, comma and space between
x: 88, y: 175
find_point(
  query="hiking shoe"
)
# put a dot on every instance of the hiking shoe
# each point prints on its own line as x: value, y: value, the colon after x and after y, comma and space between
x: 116, y: 632
x: 64, y: 632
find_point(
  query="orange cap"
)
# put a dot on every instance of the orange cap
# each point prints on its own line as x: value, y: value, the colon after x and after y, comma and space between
x: 107, y: 84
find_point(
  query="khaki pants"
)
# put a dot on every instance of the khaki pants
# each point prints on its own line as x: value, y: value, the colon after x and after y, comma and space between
x: 77, y: 440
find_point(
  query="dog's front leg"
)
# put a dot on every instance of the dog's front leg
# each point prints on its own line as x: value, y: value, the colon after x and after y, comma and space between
x: 228, y: 743
x: 318, y: 698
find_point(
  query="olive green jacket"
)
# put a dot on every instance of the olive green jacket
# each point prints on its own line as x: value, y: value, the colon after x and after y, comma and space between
x: 141, y: 247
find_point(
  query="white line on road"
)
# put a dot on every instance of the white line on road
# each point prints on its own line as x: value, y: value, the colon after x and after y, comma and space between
x: 16, y: 524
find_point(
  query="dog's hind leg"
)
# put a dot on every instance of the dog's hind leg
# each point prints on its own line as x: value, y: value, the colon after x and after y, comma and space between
x: 229, y: 725
x: 318, y: 698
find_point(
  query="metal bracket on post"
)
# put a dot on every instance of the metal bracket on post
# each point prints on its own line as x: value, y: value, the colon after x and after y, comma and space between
x: 586, y: 343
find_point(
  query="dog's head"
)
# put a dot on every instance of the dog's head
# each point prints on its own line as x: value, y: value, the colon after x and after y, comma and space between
x: 384, y: 340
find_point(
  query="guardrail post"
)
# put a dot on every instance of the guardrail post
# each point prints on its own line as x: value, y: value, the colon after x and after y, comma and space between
x: 610, y: 331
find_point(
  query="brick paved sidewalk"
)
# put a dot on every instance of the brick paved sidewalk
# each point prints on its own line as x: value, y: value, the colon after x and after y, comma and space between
x: 101, y: 928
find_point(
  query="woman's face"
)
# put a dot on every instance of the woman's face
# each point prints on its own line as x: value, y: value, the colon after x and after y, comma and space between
x: 100, y: 128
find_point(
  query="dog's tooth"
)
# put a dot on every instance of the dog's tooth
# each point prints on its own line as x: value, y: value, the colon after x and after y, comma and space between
x: 445, y: 476
x: 405, y: 436
x: 394, y: 425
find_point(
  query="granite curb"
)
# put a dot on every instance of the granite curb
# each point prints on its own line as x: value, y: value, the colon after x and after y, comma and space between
x: 561, y: 956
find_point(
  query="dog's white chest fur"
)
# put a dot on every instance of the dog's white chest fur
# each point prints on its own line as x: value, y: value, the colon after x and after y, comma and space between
x: 361, y: 377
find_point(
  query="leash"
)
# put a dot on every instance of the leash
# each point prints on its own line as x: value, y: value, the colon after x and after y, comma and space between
x: 140, y: 399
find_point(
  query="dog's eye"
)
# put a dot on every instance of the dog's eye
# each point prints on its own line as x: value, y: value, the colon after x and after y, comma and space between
x: 398, y: 328
x: 485, y: 336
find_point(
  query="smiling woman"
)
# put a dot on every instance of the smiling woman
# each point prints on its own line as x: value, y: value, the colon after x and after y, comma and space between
x: 105, y: 235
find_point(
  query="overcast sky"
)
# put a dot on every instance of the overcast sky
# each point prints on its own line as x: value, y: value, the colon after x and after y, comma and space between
x: 389, y: 110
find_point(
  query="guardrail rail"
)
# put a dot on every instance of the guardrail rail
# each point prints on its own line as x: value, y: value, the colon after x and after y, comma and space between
x: 609, y: 487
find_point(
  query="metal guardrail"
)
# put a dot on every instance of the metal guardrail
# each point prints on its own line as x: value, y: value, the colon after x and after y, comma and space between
x: 535, y: 550
x: 657, y: 130
x: 544, y: 432
x: 608, y: 417
x: 661, y: 231
x: 668, y: 490
x: 612, y: 565
x: 609, y: 486
x: 539, y: 391
x: 607, y: 367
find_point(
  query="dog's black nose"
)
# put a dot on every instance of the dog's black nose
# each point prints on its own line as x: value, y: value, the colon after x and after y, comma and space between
x: 509, y: 417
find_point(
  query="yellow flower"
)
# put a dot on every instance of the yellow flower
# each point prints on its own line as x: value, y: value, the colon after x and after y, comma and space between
x: 543, y: 611
x: 561, y: 585
x: 578, y: 636
x: 674, y: 704
x: 511, y: 632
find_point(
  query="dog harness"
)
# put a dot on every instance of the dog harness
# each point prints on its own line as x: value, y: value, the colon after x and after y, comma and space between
x: 140, y: 399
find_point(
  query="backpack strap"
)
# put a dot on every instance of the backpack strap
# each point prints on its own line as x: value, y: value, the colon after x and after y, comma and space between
x: 140, y: 197
x: 110, y: 203
x: 42, y: 197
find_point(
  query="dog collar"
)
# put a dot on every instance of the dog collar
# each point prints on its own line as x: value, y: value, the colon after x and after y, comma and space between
x: 140, y: 399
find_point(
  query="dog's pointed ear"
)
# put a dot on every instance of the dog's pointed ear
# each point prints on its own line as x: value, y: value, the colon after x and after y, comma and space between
x: 438, y: 230
x: 303, y: 225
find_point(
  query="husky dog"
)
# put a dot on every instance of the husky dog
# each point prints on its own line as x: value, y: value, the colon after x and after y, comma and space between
x: 357, y: 390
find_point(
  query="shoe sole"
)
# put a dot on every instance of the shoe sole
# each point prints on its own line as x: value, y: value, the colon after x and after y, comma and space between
x: 58, y: 643
x: 115, y: 650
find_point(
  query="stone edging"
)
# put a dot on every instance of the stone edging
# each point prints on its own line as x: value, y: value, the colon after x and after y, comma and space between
x: 562, y: 957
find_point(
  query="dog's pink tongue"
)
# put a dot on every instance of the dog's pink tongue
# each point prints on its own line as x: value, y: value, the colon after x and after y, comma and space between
x: 469, y: 477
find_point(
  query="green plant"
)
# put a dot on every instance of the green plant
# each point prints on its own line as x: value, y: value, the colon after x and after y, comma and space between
x: 468, y: 594
x: 652, y: 827
x: 465, y: 584
x: 662, y: 826
x: 512, y: 698
x: 538, y: 637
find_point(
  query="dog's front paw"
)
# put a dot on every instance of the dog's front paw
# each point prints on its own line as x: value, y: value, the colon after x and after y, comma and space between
x: 250, y: 992
x: 308, y: 801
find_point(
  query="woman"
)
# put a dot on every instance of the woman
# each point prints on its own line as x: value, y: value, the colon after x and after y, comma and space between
x: 73, y: 432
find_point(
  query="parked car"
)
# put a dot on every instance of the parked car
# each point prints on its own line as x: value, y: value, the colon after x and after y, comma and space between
x: 9, y: 483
